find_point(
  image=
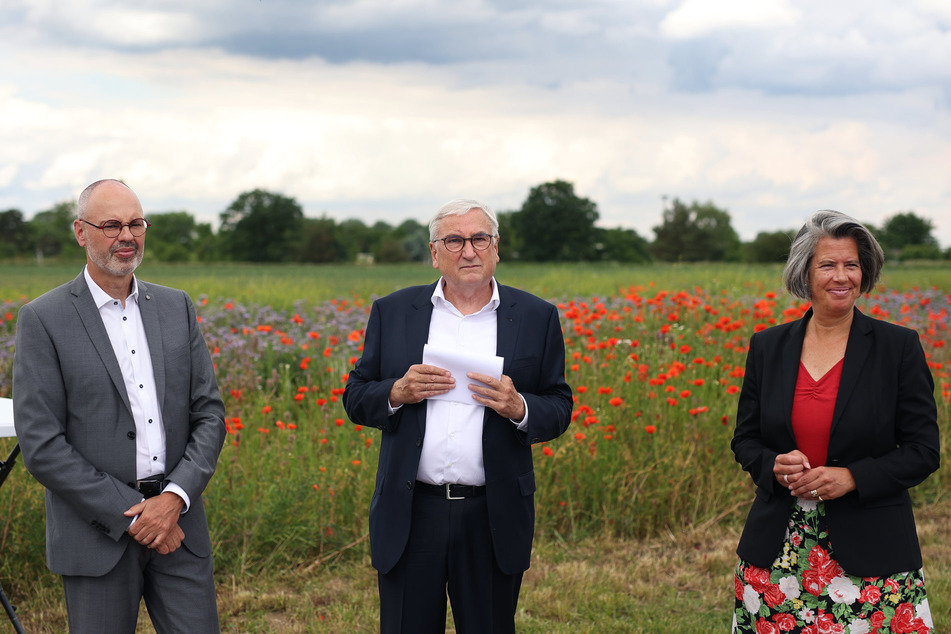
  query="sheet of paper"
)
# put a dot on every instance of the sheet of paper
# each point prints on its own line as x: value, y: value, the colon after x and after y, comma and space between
x: 459, y: 362
x: 6, y: 418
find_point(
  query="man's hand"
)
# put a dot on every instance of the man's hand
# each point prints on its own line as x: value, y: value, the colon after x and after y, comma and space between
x: 420, y: 381
x: 498, y: 394
x: 157, y: 524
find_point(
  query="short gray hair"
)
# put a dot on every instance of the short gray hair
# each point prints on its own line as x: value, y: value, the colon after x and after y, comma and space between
x: 82, y: 205
x: 831, y: 224
x: 460, y: 207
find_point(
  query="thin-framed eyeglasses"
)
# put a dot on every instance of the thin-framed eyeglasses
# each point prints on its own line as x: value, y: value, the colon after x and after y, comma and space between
x: 479, y: 242
x: 112, y: 228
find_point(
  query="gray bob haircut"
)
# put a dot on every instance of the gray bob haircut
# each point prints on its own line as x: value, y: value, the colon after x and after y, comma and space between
x: 459, y: 207
x: 831, y: 224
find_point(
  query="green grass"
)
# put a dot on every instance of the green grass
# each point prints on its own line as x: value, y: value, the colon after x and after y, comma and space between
x: 635, y: 528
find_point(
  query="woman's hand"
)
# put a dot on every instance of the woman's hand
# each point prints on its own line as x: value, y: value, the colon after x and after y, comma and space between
x: 823, y: 483
x: 790, y: 467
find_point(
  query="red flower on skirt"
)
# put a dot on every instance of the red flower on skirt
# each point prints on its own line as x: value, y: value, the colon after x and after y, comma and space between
x: 822, y: 570
x: 905, y: 621
x: 758, y: 578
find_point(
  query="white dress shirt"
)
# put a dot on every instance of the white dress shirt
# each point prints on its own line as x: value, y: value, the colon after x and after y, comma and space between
x: 127, y: 335
x: 452, y: 444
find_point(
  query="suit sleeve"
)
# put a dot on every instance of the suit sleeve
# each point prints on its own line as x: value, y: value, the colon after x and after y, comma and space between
x: 749, y: 447
x: 40, y: 415
x: 366, y: 396
x: 550, y: 402
x: 206, y: 414
x: 916, y: 452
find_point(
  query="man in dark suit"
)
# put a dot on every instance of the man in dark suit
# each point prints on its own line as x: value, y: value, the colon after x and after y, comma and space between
x: 453, y: 506
x: 118, y: 415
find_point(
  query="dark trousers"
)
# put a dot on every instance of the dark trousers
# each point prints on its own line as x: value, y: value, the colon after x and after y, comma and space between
x: 449, y: 551
x: 179, y: 592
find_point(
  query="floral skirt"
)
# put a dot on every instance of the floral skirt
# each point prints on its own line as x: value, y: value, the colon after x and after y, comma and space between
x: 806, y: 590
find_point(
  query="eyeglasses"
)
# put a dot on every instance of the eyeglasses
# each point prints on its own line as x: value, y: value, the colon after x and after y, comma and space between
x: 112, y: 228
x: 479, y: 242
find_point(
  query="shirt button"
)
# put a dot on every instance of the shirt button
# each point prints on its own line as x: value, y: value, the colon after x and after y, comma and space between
x: 125, y: 319
x: 154, y: 458
x: 150, y: 421
x: 141, y: 386
x: 133, y: 352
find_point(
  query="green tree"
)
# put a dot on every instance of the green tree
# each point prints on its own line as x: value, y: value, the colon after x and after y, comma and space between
x: 14, y: 234
x: 509, y: 241
x: 380, y: 238
x: 175, y: 236
x: 319, y: 241
x: 555, y: 224
x: 695, y: 233
x: 355, y: 238
x: 51, y: 233
x: 413, y: 239
x: 769, y: 246
x: 623, y: 245
x: 261, y: 226
x: 906, y: 229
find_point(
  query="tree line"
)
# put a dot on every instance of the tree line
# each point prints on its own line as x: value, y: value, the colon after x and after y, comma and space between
x: 553, y: 224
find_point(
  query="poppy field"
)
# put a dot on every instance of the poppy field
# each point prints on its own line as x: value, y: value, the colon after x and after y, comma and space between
x: 655, y: 357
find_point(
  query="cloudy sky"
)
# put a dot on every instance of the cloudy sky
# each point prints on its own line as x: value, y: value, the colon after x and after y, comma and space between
x: 384, y: 109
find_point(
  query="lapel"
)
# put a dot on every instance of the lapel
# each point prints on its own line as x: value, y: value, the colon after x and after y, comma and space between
x: 153, y: 334
x: 92, y: 322
x: 507, y: 328
x: 417, y: 334
x: 791, y: 355
x: 856, y: 353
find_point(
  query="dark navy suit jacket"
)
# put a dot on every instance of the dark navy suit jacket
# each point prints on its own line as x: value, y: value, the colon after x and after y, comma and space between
x: 884, y: 430
x: 531, y: 342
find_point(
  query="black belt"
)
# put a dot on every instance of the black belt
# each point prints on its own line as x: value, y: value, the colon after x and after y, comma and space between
x: 451, y: 491
x: 149, y: 487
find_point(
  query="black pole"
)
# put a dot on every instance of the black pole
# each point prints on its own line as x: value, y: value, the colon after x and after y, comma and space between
x: 5, y: 468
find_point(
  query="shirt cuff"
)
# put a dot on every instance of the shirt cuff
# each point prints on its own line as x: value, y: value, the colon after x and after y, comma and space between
x: 522, y: 425
x: 171, y: 487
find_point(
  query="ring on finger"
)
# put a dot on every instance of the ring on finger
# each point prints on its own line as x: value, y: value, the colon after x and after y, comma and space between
x: 820, y: 498
x: 814, y: 493
x: 785, y: 478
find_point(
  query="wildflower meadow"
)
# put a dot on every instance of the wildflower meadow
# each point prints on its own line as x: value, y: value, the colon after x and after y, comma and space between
x: 655, y: 357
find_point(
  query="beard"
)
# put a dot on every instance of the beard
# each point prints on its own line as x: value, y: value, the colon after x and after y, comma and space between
x: 108, y: 262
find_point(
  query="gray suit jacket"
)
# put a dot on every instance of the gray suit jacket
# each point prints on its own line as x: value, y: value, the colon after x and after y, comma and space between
x: 75, y: 425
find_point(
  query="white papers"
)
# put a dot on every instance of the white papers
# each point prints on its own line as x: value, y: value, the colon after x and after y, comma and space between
x: 459, y: 362
x: 6, y: 418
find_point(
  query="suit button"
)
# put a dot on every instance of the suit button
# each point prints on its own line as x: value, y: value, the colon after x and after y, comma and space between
x: 131, y: 435
x: 409, y: 484
x: 419, y: 442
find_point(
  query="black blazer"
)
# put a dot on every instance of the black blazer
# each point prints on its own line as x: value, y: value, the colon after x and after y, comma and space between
x: 531, y: 341
x: 884, y: 430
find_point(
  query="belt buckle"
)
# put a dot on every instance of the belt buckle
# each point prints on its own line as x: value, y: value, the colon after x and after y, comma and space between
x: 449, y: 495
x: 149, y: 488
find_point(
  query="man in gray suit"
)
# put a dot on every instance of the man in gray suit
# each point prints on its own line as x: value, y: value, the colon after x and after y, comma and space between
x: 118, y: 415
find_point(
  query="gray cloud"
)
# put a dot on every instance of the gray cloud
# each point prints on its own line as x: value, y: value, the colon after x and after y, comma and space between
x: 770, y: 108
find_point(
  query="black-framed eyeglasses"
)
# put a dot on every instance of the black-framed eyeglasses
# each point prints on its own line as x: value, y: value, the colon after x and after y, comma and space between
x: 112, y: 228
x: 479, y: 242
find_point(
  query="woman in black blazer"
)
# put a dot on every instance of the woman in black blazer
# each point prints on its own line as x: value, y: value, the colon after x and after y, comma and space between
x: 836, y: 422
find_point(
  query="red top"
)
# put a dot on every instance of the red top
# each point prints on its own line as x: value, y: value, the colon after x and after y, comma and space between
x: 812, y: 412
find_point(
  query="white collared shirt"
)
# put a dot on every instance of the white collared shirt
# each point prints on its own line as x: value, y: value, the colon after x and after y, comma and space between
x: 452, y: 444
x: 127, y: 336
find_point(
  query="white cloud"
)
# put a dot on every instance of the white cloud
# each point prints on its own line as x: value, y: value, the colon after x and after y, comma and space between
x: 843, y: 109
x: 699, y: 17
